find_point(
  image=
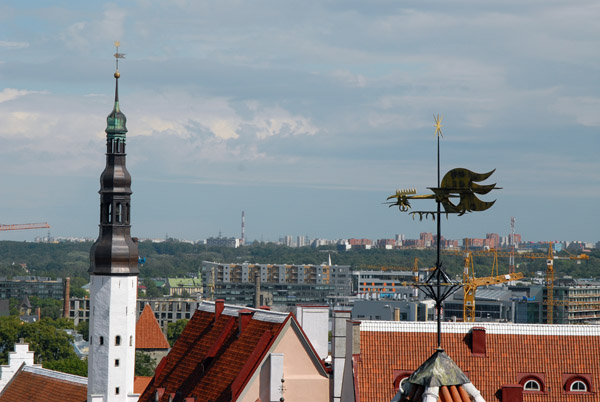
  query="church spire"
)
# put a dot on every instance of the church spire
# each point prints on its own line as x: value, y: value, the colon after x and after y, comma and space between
x: 115, y: 252
x: 113, y: 274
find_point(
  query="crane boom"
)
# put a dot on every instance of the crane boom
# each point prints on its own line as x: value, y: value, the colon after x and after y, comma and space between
x: 22, y: 226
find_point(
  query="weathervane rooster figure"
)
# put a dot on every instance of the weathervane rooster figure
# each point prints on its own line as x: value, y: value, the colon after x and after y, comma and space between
x: 457, y: 194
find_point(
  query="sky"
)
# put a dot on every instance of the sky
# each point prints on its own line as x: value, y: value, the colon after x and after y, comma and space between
x: 306, y: 114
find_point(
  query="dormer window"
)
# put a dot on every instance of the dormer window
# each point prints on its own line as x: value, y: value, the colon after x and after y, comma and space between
x: 577, y: 383
x: 532, y: 382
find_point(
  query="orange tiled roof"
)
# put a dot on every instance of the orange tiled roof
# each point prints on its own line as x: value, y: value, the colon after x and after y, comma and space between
x: 36, y: 384
x: 147, y: 332
x: 511, y: 349
x: 140, y: 383
x: 210, y: 361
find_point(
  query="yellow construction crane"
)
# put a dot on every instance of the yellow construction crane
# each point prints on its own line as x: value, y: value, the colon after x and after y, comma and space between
x: 550, y: 257
x: 471, y: 283
x: 23, y: 226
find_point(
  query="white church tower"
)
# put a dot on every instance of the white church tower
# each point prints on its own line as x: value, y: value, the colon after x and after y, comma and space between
x: 113, y: 275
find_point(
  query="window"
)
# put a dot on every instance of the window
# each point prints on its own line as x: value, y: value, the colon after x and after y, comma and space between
x: 532, y: 385
x: 577, y: 383
x: 117, y: 391
x: 116, y: 362
x: 578, y: 386
x: 532, y: 382
x: 130, y: 340
x: 118, y: 340
x: 101, y: 340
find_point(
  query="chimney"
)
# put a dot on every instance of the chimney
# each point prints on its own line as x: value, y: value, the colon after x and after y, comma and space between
x: 257, y: 302
x: 396, y: 314
x: 38, y: 312
x: 244, y: 317
x: 67, y: 290
x: 512, y: 393
x: 219, y: 307
x: 478, y: 341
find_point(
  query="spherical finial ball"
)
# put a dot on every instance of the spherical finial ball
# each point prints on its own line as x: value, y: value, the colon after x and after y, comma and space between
x: 117, y: 74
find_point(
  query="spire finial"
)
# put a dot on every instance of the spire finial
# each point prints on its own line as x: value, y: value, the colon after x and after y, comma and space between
x: 117, y: 57
x: 438, y: 125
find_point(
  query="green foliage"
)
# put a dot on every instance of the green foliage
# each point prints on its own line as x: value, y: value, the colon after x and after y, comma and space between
x: 44, y: 337
x: 174, y: 329
x: 177, y: 259
x: 76, y: 290
x: 84, y: 329
x: 71, y: 365
x: 145, y: 365
x: 50, y: 308
x: 151, y: 289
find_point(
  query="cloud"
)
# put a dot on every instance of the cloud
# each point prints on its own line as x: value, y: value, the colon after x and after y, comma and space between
x: 83, y: 35
x: 8, y: 94
x: 13, y: 45
x: 583, y: 109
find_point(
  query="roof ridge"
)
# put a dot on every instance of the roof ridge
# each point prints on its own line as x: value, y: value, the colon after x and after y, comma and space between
x: 233, y: 310
x: 58, y: 375
x: 490, y: 327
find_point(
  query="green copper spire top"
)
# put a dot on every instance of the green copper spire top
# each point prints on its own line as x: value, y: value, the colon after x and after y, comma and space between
x: 116, y: 120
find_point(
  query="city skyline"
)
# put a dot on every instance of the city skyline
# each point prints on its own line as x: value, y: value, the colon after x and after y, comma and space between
x: 305, y: 116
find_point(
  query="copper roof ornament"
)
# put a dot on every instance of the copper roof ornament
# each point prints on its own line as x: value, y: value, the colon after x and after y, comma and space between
x: 457, y: 193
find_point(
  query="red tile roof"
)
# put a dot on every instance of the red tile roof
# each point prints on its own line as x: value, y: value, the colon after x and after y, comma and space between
x: 140, y: 383
x: 211, y: 361
x: 36, y: 384
x: 148, y: 334
x: 511, y: 350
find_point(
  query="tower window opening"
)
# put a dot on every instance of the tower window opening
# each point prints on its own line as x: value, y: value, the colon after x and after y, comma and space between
x: 119, y: 212
x: 109, y: 213
x: 130, y: 340
x: 117, y: 391
x: 116, y: 362
x: 118, y: 340
x: 127, y: 213
x: 101, y: 341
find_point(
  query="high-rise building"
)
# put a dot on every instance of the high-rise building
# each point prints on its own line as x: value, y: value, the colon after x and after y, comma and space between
x: 113, y: 276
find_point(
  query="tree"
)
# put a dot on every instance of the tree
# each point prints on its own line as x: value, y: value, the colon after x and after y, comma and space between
x: 71, y: 365
x: 144, y: 364
x: 174, y: 329
x: 45, y: 338
x: 84, y: 329
x: 151, y: 289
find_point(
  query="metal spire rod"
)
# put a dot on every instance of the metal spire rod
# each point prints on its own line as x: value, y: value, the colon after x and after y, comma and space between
x: 438, y: 301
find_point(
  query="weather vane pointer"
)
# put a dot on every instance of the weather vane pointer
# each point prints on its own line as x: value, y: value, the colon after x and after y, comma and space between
x: 118, y: 55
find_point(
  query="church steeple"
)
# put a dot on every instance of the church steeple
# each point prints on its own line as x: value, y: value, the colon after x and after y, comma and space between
x: 113, y: 275
x: 115, y: 253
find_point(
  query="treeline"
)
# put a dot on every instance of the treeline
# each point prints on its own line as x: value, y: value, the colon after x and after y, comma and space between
x: 173, y: 258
